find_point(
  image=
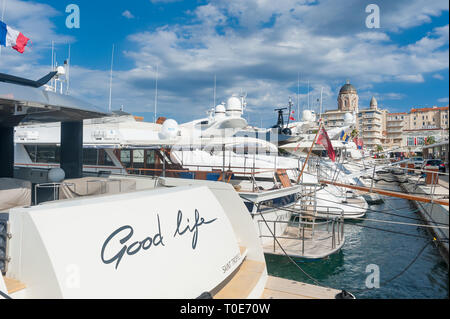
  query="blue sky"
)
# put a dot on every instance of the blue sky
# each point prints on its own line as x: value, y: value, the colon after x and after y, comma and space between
x: 250, y: 45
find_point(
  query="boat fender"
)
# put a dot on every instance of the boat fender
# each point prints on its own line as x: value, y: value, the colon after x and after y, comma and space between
x: 344, y: 295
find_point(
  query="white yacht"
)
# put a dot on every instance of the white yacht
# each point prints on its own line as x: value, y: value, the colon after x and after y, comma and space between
x: 123, y: 145
x: 113, y: 236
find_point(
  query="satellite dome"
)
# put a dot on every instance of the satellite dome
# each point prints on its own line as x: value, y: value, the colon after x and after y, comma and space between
x: 169, y: 129
x: 56, y: 175
x: 60, y: 70
x: 348, y: 118
x: 234, y: 104
x: 220, y: 109
x: 307, y: 116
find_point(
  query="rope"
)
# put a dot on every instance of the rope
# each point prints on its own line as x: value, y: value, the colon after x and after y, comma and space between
x: 349, y: 223
x: 399, y: 274
x: 383, y: 212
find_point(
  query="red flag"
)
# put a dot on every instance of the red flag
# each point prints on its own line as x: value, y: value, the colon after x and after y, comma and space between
x: 291, y: 118
x: 359, y: 143
x: 324, y: 140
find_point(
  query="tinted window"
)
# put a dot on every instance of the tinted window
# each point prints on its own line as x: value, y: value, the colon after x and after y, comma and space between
x: 43, y: 153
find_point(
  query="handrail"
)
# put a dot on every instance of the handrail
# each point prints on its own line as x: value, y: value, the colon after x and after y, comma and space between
x: 263, y: 170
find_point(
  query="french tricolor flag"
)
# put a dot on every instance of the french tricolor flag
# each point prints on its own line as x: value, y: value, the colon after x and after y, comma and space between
x: 12, y: 38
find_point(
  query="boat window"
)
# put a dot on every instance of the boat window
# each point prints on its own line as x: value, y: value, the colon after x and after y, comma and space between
x: 90, y: 156
x: 43, y: 153
x: 104, y: 159
x: 138, y: 158
x: 249, y: 206
x: 278, y: 202
x: 150, y: 158
x: 125, y: 158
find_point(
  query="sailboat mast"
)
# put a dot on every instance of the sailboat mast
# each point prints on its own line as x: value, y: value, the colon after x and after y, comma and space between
x: 298, y: 95
x: 214, y: 91
x: 110, y: 79
x: 156, y: 92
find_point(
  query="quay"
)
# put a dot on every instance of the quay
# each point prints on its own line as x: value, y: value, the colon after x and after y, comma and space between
x: 432, y: 213
x: 280, y: 288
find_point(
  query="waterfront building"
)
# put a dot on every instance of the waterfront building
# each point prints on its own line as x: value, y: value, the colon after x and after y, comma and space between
x: 396, y: 123
x: 428, y: 118
x: 348, y: 102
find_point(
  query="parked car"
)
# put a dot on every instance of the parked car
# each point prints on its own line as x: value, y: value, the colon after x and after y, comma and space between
x: 418, y: 162
x: 434, y: 162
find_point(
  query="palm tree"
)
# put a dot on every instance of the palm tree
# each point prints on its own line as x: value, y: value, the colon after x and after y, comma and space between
x: 430, y: 140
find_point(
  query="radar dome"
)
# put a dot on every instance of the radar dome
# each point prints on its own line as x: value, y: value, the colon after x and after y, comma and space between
x: 169, y: 129
x: 56, y: 175
x: 348, y: 118
x: 307, y: 116
x: 61, y: 70
x: 220, y: 109
x: 234, y: 104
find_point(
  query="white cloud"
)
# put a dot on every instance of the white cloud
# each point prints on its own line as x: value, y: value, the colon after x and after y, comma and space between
x: 262, y: 51
x: 443, y: 100
x: 127, y: 14
x: 438, y: 76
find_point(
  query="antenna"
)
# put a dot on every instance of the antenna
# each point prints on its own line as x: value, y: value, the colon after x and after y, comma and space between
x: 320, y: 112
x: 214, y: 91
x: 156, y: 90
x: 110, y: 79
x: 308, y: 94
x: 68, y: 73
x: 53, y: 61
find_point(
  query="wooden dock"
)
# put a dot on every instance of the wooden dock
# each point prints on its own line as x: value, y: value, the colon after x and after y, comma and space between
x: 280, y: 288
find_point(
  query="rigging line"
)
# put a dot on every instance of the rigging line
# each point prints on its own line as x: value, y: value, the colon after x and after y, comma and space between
x: 289, y: 257
x: 284, y: 252
x: 399, y: 223
x: 396, y: 190
x: 384, y: 212
x: 445, y: 240
x: 399, y: 274
x: 346, y: 222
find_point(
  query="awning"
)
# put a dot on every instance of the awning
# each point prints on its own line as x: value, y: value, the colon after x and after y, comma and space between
x: 24, y: 104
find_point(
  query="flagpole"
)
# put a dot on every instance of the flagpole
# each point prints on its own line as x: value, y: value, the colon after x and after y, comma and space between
x: 309, y: 153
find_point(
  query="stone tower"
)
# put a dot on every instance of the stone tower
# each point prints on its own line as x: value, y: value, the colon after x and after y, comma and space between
x: 348, y: 100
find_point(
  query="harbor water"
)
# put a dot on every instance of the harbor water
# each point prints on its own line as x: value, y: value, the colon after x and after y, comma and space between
x: 388, y: 251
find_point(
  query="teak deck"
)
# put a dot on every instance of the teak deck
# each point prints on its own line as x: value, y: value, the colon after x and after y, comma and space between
x: 13, y: 285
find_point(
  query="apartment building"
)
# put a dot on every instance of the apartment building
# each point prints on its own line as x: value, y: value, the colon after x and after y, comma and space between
x: 371, y: 123
x: 428, y: 118
x: 396, y: 123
